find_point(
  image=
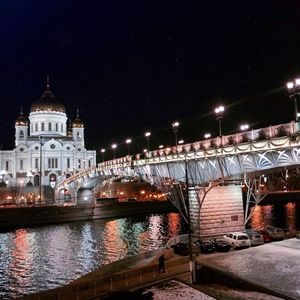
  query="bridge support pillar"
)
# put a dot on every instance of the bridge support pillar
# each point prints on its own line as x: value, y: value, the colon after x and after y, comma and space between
x: 221, y: 210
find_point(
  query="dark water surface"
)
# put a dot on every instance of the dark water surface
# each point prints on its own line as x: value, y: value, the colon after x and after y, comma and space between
x: 39, y: 258
x: 281, y: 214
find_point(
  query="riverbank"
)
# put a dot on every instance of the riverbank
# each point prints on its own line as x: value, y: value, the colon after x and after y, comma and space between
x: 238, y: 274
x: 103, y: 209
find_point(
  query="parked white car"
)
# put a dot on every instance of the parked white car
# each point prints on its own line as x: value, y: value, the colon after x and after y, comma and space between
x: 238, y: 240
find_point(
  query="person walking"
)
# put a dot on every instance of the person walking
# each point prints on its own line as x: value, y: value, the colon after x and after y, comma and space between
x: 161, y: 264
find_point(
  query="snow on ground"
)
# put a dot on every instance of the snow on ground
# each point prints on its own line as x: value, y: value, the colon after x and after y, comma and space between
x: 175, y: 290
x: 274, y: 266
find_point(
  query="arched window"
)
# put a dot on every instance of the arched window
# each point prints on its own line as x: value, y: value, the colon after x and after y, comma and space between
x: 50, y: 127
x: 56, y: 126
x: 36, y: 127
x: 78, y: 135
x: 43, y: 126
x: 21, y: 135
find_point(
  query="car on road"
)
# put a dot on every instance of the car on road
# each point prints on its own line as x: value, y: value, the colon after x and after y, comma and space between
x: 255, y: 237
x: 276, y: 232
x: 238, y: 240
x: 205, y: 246
x: 221, y: 245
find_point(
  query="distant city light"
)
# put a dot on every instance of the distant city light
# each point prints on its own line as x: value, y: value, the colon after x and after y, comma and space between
x: 180, y: 142
x: 207, y: 135
x: 160, y: 146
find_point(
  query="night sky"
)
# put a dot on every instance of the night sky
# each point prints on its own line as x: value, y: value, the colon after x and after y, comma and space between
x: 129, y: 66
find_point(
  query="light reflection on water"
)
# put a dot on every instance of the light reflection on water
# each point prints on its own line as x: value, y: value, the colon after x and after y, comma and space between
x: 40, y: 258
x: 281, y: 214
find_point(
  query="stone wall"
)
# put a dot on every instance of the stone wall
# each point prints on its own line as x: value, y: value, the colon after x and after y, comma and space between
x: 221, y: 212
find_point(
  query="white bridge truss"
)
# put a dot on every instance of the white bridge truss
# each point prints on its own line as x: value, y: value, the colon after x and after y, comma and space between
x: 205, y: 162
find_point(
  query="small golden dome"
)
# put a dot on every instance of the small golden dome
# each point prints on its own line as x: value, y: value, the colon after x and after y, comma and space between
x: 77, y: 123
x: 22, y: 120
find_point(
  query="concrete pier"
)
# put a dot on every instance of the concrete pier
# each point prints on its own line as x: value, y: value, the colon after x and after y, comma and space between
x: 221, y: 211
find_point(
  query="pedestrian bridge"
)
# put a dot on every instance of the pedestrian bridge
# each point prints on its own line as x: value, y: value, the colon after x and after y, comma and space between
x: 190, y: 173
x: 226, y: 157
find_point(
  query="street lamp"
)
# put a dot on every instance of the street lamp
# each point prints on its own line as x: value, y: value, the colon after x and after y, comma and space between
x: 114, y: 146
x: 180, y: 142
x: 128, y: 142
x: 160, y: 146
x: 219, y: 114
x: 207, y: 135
x: 175, y: 126
x: 294, y: 90
x: 41, y: 164
x: 102, y: 153
x: 244, y: 127
x: 147, y: 135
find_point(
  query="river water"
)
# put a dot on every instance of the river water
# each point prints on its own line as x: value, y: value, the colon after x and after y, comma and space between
x: 39, y: 258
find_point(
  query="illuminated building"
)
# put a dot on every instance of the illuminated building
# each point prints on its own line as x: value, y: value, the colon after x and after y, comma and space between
x: 44, y: 144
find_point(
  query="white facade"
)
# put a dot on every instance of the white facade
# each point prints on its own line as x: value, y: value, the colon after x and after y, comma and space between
x: 45, y: 145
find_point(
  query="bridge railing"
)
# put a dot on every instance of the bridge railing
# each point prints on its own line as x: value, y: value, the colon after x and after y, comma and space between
x: 209, y: 147
x: 266, y: 133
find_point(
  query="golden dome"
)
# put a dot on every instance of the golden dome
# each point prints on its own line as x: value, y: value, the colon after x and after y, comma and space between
x: 47, y: 102
x: 22, y: 120
x: 77, y: 123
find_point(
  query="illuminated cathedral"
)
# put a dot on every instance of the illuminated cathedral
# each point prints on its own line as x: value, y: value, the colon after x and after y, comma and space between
x: 46, y: 148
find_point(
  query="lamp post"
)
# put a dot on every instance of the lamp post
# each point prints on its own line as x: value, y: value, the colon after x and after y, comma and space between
x: 128, y: 142
x: 41, y: 165
x: 219, y: 114
x: 294, y: 90
x: 187, y: 198
x: 175, y: 126
x: 147, y: 135
x: 113, y: 147
x: 102, y: 153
